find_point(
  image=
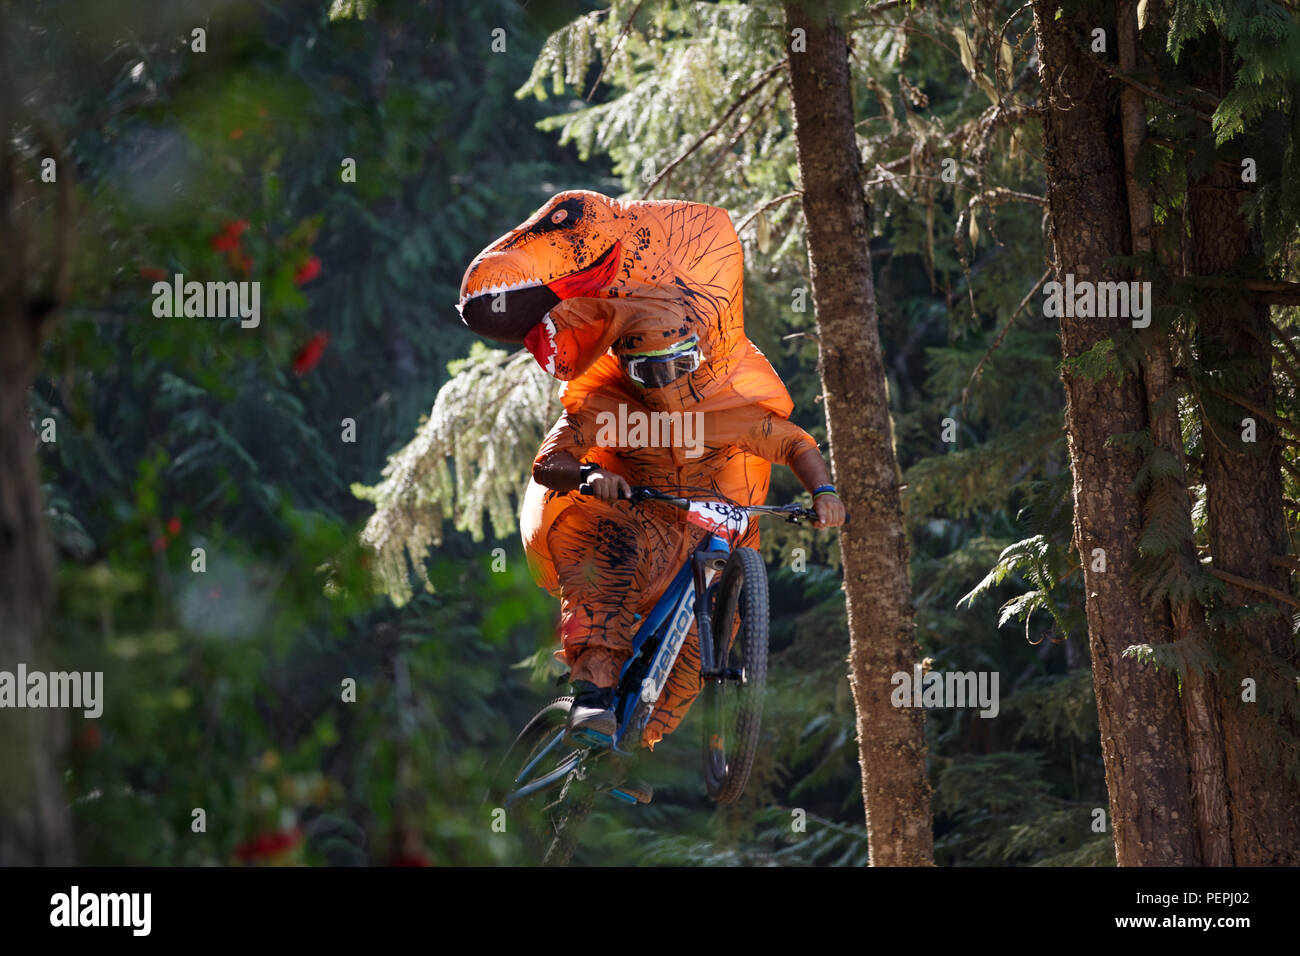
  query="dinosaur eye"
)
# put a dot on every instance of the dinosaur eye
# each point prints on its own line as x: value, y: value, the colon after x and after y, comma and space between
x: 559, y: 216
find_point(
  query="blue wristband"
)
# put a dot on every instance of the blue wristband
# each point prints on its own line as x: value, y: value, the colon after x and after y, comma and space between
x: 824, y: 490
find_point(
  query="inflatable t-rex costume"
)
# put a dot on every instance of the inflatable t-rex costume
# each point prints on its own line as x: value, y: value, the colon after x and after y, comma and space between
x: 592, y: 285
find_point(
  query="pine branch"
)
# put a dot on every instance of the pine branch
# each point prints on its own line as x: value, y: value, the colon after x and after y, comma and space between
x: 1250, y: 585
x: 725, y: 151
x: 1285, y: 340
x: 906, y: 26
x: 765, y: 207
x: 1281, y: 423
x: 1267, y: 291
x: 1003, y: 32
x: 762, y: 81
x: 965, y: 392
x: 1000, y: 194
x: 937, y: 179
x: 1290, y: 469
x: 614, y: 51
x: 1289, y: 367
x: 1155, y: 94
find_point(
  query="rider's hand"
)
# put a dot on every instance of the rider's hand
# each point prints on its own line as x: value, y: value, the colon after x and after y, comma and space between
x: 830, y: 511
x: 608, y: 486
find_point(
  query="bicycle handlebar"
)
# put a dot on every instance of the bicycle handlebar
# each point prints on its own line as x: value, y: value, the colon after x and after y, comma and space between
x: 792, y: 512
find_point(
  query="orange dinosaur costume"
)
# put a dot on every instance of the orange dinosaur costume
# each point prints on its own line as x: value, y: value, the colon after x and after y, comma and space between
x: 587, y: 281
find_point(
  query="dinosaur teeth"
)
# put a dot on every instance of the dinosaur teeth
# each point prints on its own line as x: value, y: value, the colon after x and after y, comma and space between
x: 502, y: 287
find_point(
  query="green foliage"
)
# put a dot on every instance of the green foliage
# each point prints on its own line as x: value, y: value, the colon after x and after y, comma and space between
x: 1039, y: 564
x: 224, y: 670
x: 489, y: 418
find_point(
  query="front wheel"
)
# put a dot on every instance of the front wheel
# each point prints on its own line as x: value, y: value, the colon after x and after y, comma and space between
x: 733, y: 694
x: 550, y: 822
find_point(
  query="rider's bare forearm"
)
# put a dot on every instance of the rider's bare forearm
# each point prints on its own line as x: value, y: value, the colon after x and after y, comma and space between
x: 559, y: 471
x: 810, y: 468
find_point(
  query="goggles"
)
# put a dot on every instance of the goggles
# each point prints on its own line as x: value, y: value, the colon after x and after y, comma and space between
x: 657, y: 369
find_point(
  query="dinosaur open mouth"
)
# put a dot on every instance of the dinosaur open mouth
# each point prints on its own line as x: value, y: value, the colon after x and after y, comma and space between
x: 508, y: 311
x: 507, y: 314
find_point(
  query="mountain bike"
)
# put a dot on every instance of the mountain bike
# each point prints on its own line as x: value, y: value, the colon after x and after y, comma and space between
x: 720, y: 588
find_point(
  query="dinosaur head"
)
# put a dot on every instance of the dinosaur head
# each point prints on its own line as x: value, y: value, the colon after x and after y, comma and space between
x: 571, y: 247
x: 587, y: 274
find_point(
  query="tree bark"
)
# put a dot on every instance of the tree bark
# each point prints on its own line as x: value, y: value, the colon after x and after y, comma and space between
x: 1243, y: 483
x: 1144, y: 741
x: 1186, y: 615
x: 34, y: 823
x: 1187, y: 618
x: 882, y: 641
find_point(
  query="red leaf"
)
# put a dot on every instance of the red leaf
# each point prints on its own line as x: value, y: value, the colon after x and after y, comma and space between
x: 310, y: 353
x: 227, y: 239
x: 268, y: 844
x: 307, y: 271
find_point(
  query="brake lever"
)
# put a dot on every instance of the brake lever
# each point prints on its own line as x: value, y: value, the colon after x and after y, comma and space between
x: 810, y: 514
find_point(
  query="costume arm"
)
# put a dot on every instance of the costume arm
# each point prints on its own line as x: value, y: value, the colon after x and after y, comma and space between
x: 770, y: 436
x: 781, y: 441
x: 558, y: 460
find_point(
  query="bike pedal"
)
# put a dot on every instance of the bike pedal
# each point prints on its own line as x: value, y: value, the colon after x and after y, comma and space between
x: 634, y: 793
x: 589, y: 738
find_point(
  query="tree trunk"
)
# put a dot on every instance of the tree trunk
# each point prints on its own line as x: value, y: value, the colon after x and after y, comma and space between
x: 882, y: 642
x: 1243, y: 483
x: 1144, y: 741
x: 1185, y: 614
x: 34, y: 825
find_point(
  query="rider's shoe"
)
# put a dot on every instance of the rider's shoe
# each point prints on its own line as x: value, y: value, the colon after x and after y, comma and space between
x: 591, y: 718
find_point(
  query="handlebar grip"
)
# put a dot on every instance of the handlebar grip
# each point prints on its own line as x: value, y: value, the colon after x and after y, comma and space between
x: 585, y: 489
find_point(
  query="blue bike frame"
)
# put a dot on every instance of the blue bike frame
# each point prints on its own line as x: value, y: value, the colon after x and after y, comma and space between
x: 676, y: 606
x: 675, y: 610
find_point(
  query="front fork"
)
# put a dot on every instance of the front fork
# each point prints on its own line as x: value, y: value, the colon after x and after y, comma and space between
x: 707, y: 565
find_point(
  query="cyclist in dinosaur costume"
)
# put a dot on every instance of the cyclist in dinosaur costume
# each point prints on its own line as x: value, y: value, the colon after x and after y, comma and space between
x: 638, y: 308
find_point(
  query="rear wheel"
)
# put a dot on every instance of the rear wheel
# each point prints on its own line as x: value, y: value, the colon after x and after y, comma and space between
x: 733, y: 702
